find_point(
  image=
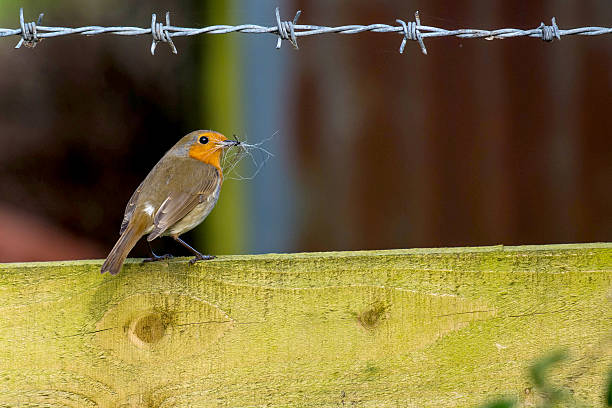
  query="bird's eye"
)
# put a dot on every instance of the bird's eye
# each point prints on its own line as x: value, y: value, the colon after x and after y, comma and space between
x: 203, y: 140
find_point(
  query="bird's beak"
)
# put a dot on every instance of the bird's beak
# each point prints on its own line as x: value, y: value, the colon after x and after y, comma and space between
x: 229, y: 143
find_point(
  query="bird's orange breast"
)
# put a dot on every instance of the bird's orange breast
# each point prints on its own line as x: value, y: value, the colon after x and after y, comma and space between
x: 209, y: 154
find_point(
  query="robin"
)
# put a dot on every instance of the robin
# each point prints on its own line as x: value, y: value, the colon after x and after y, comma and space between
x: 175, y: 197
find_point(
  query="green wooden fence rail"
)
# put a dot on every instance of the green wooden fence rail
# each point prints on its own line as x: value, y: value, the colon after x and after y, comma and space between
x: 423, y: 328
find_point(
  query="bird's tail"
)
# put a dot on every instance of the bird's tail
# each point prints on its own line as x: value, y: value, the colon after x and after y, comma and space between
x: 122, y: 248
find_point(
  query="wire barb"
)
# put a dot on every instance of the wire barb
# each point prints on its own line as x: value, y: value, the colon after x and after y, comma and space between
x: 411, y: 32
x: 29, y: 37
x: 160, y: 33
x: 286, y: 30
x: 550, y: 32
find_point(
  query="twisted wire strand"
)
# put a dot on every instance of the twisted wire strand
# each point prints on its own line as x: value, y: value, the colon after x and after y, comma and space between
x: 32, y: 33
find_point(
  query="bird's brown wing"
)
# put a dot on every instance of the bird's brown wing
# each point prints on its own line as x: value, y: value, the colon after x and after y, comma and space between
x: 129, y: 209
x: 183, y: 199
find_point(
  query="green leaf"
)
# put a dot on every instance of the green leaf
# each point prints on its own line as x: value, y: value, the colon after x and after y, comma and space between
x: 500, y: 403
x: 539, y: 369
x: 609, y: 390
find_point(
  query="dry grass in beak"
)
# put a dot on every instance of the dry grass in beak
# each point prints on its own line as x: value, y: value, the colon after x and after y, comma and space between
x: 234, y: 154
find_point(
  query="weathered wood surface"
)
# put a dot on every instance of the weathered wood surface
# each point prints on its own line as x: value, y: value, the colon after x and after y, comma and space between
x: 422, y: 328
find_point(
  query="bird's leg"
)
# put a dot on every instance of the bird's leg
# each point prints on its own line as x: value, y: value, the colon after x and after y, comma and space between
x: 154, y: 257
x: 198, y: 256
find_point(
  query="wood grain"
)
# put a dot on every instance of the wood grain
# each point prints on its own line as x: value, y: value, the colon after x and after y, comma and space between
x: 424, y: 327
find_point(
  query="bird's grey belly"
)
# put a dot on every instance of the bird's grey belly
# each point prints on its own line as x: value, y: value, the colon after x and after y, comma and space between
x: 192, y: 219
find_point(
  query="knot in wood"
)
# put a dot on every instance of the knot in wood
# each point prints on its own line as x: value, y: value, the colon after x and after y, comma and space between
x: 373, y: 315
x: 147, y: 329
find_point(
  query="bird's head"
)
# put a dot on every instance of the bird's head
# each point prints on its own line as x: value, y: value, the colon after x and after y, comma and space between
x: 206, y: 146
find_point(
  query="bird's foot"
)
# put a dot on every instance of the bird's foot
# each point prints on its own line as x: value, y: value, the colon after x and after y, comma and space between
x: 156, y: 258
x: 198, y: 256
x: 201, y: 257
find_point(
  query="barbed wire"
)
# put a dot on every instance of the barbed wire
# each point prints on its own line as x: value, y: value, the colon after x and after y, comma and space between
x: 32, y: 33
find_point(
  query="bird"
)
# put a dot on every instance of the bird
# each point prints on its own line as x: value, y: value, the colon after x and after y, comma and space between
x: 175, y: 197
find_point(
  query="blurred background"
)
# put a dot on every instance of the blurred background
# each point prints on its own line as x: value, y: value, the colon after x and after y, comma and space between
x: 478, y: 143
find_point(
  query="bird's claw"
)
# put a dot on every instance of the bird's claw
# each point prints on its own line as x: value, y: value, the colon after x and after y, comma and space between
x: 156, y: 258
x: 201, y: 258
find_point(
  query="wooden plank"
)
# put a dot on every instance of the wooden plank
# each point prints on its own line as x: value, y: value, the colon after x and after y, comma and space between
x: 423, y: 327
